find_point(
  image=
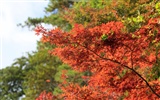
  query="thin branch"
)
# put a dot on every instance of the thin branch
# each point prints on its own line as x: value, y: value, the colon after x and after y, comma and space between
x: 115, y: 61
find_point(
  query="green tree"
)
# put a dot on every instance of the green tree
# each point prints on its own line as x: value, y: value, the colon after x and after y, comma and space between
x: 11, y: 79
x: 54, y: 12
x: 32, y: 74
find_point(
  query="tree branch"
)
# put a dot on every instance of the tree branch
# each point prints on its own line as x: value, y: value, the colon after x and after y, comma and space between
x: 115, y: 61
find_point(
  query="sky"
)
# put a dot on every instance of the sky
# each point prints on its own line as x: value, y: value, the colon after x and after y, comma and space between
x: 16, y: 41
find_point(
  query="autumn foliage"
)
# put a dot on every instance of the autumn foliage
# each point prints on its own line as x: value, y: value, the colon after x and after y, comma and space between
x: 117, y: 60
x: 46, y: 96
x: 120, y: 47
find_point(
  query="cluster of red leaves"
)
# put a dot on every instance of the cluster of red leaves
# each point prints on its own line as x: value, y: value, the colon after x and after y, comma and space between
x: 115, y: 90
x: 75, y: 92
x: 46, y: 96
x: 84, y: 49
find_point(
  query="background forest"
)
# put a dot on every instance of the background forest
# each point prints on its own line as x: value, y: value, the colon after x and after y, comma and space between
x: 98, y: 50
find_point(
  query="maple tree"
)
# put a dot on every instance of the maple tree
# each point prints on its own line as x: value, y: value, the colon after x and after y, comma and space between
x: 115, y: 58
x: 120, y: 47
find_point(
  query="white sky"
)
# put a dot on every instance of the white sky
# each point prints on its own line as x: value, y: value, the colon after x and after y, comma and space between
x: 16, y: 41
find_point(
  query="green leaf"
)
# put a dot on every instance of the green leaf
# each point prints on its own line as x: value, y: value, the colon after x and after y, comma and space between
x: 104, y: 37
x: 102, y: 54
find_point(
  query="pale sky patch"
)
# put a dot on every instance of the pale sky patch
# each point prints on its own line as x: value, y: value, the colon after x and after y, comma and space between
x: 16, y: 41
